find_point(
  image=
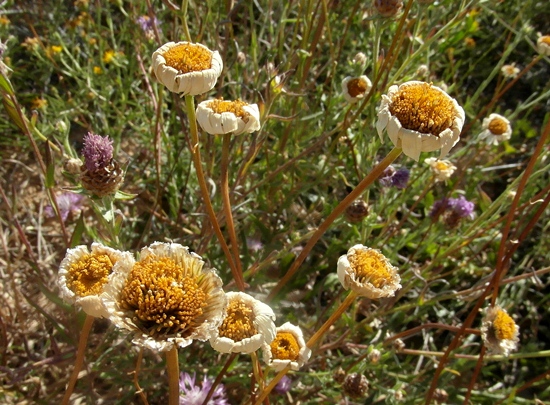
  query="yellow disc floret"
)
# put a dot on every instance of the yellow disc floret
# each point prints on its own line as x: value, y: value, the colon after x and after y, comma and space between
x: 236, y: 107
x: 285, y: 347
x: 370, y: 266
x: 504, y: 326
x: 356, y: 87
x: 164, y: 299
x: 239, y: 322
x: 188, y: 57
x: 88, y: 275
x: 545, y: 39
x: 423, y: 108
x: 498, y: 126
x: 441, y: 166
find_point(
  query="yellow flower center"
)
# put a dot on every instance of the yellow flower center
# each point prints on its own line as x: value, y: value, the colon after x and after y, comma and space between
x: 285, y: 347
x: 545, y: 39
x: 504, y: 326
x: 497, y: 126
x: 441, y: 166
x: 88, y: 275
x: 188, y: 58
x: 422, y: 108
x: 357, y: 87
x: 236, y: 107
x: 370, y: 266
x: 510, y: 70
x: 164, y: 299
x: 238, y: 323
x: 108, y: 56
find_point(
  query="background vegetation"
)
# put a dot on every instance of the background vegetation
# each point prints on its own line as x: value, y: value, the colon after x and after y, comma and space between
x: 85, y: 66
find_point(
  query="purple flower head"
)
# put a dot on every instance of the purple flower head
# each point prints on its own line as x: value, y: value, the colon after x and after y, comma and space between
x: 397, y: 178
x: 283, y: 386
x: 193, y: 394
x: 462, y: 207
x: 68, y: 203
x: 453, y: 210
x: 147, y: 23
x: 97, y: 151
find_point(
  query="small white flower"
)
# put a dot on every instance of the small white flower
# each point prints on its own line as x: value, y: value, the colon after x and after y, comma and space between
x: 187, y: 68
x: 247, y: 325
x: 543, y: 45
x: 510, y: 71
x: 442, y: 169
x: 218, y: 117
x: 368, y: 272
x: 496, y: 129
x: 84, y: 274
x: 420, y: 117
x: 355, y: 88
x: 167, y: 298
x: 288, y: 347
x: 499, y: 331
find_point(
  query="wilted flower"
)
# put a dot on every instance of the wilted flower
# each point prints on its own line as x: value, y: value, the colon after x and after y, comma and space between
x: 101, y: 174
x: 496, y: 129
x: 187, y: 68
x: 360, y: 59
x: 441, y: 169
x: 247, y: 325
x: 499, y: 331
x: 388, y: 8
x: 422, y: 71
x: 191, y: 393
x: 397, y: 178
x: 355, y: 88
x: 167, y: 298
x: 357, y: 211
x: 510, y: 71
x: 440, y: 396
x: 288, y: 347
x: 355, y: 385
x: 368, y: 272
x: 68, y: 204
x: 453, y: 210
x: 420, y: 117
x: 543, y: 45
x: 224, y: 117
x: 84, y: 274
x: 374, y: 356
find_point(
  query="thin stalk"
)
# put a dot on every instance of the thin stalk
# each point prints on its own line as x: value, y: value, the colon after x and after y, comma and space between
x: 195, y: 154
x: 218, y: 380
x: 186, y: 33
x: 340, y: 208
x: 173, y: 369
x: 227, y: 201
x: 79, y: 361
x: 272, y: 385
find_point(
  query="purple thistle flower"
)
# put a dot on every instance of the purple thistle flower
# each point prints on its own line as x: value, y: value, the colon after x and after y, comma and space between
x: 147, y: 23
x: 462, y: 207
x: 68, y: 203
x: 97, y: 151
x: 193, y: 394
x: 397, y: 178
x: 283, y: 386
x: 453, y: 210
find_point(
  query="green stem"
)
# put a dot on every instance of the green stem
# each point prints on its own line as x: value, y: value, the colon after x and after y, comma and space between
x: 272, y: 385
x: 340, y: 208
x: 227, y: 201
x: 82, y: 342
x: 195, y: 153
x: 186, y: 33
x: 173, y: 369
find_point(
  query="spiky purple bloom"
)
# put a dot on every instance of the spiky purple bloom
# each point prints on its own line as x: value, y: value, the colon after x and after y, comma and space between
x: 460, y: 206
x: 283, y: 386
x: 397, y: 178
x: 67, y: 203
x: 193, y: 394
x: 97, y: 151
x: 147, y: 23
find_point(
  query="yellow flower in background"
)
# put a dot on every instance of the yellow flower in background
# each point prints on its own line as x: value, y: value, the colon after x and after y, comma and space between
x: 98, y: 70
x: 543, y: 45
x: 496, y: 129
x: 167, y: 298
x: 56, y: 49
x: 355, y: 88
x: 187, y: 68
x: 288, y: 348
x: 218, y: 117
x: 420, y: 117
x: 368, y: 272
x: 83, y: 275
x: 441, y: 169
x: 4, y: 20
x: 39, y: 103
x: 499, y: 331
x: 248, y: 324
x: 108, y: 56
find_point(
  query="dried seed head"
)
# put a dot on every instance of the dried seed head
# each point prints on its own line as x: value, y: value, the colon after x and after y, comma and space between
x: 355, y: 386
